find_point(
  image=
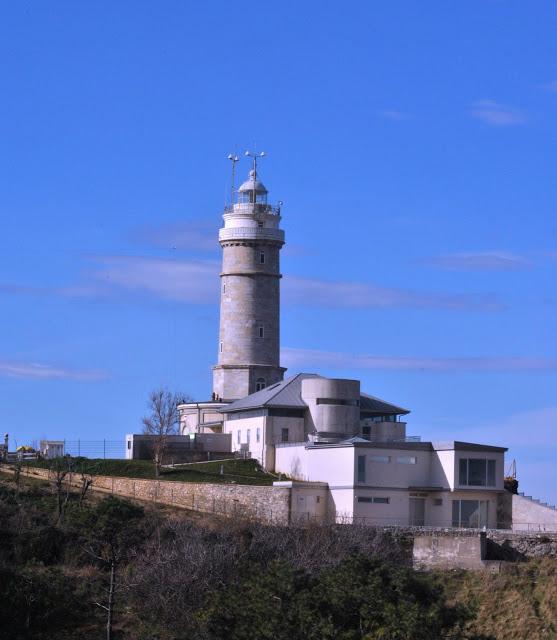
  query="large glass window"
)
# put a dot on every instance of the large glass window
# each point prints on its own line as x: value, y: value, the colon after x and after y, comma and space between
x: 470, y: 513
x: 476, y: 472
x: 361, y: 468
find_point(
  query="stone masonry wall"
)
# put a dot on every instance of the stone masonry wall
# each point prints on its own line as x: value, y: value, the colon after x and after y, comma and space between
x: 268, y: 504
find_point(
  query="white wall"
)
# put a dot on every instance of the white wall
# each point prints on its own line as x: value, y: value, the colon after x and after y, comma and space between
x: 393, y: 473
x: 443, y: 469
x: 292, y: 461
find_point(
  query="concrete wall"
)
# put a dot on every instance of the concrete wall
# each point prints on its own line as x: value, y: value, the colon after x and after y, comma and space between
x: 332, y: 419
x: 448, y: 552
x: 309, y: 501
x: 529, y: 515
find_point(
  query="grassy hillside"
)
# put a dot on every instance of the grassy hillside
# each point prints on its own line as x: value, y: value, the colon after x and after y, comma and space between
x: 234, y: 471
x: 519, y: 603
x: 232, y: 580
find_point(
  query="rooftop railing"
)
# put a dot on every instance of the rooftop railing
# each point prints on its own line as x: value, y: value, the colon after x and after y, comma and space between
x: 250, y: 207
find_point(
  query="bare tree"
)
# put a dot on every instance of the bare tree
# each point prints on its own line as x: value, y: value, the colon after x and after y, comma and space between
x: 61, y: 470
x: 162, y: 421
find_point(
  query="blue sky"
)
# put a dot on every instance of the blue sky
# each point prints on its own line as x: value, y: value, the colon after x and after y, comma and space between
x: 413, y: 145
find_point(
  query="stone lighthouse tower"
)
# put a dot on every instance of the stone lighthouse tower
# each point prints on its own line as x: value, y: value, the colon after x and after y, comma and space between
x: 249, y: 337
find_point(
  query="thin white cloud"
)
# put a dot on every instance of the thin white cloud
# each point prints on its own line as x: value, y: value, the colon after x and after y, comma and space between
x: 308, y: 358
x: 392, y: 114
x: 37, y: 371
x: 361, y: 295
x: 496, y: 115
x: 551, y: 87
x: 193, y: 235
x: 179, y: 280
x: 197, y: 282
x: 480, y: 261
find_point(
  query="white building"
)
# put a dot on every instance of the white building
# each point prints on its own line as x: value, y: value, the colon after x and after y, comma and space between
x: 346, y: 452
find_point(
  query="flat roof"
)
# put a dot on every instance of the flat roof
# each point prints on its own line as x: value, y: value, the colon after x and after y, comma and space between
x: 452, y: 445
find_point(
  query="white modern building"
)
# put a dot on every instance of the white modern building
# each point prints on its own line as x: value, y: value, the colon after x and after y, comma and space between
x: 345, y: 452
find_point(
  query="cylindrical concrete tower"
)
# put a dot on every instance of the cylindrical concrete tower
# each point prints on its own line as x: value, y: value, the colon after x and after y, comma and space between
x: 249, y: 340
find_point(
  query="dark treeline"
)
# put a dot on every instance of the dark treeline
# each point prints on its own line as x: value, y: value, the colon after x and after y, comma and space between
x: 107, y: 568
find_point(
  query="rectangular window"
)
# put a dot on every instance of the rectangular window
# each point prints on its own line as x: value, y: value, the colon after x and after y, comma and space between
x: 239, y: 436
x: 365, y: 499
x: 317, y: 499
x: 221, y: 347
x: 379, y: 500
x: 261, y: 332
x: 284, y: 434
x: 341, y: 401
x: 407, y: 460
x: 491, y: 473
x: 438, y: 502
x: 476, y: 472
x: 376, y: 500
x: 257, y: 434
x: 129, y: 444
x: 380, y: 459
x: 463, y: 471
x: 262, y: 258
x: 470, y: 513
x: 361, y: 468
x: 248, y: 435
x: 224, y: 288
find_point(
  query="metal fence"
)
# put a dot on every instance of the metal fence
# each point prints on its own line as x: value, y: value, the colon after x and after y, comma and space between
x: 95, y: 448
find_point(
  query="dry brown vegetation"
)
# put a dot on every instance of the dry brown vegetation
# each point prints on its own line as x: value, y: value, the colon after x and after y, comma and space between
x: 518, y: 603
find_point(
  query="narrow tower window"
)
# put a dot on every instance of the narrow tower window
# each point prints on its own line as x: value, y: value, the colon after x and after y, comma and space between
x: 260, y: 384
x: 224, y: 287
x: 261, y: 332
x: 262, y: 258
x: 221, y: 347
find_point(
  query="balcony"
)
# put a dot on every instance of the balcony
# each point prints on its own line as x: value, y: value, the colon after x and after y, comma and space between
x: 251, y: 233
x: 253, y: 208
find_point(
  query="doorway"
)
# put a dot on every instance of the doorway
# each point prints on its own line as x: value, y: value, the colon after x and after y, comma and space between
x: 417, y: 512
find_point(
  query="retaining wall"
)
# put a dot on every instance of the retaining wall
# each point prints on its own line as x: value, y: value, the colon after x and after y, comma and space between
x: 448, y: 552
x: 268, y: 504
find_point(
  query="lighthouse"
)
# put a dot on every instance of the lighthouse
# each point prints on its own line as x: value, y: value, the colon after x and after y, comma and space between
x: 249, y: 332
